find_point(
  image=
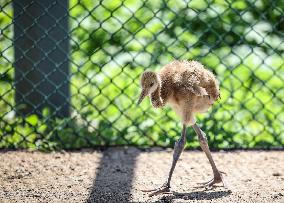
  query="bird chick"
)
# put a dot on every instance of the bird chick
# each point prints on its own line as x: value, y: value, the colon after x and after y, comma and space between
x: 188, y: 88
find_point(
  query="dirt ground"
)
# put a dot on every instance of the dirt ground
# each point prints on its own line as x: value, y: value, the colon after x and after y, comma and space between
x: 119, y: 175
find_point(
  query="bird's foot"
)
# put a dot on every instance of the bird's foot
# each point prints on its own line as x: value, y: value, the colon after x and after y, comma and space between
x: 164, y: 189
x: 218, y: 178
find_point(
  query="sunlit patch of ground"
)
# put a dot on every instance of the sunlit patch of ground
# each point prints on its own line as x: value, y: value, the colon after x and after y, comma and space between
x: 119, y: 175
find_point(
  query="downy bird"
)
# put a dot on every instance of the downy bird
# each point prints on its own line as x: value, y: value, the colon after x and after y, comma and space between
x: 188, y: 88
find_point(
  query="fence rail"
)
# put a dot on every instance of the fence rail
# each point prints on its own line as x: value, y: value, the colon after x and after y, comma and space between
x: 69, y: 71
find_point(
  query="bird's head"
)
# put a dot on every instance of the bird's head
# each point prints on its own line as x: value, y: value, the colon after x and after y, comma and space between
x: 149, y: 83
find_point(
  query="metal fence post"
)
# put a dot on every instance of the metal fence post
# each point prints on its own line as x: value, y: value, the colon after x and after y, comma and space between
x: 41, y: 44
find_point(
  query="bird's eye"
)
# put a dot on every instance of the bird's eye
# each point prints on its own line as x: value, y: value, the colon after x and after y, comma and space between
x: 151, y: 84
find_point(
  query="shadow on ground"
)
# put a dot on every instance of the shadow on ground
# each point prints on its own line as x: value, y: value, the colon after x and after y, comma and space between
x: 118, y: 175
x: 113, y: 181
x: 198, y: 195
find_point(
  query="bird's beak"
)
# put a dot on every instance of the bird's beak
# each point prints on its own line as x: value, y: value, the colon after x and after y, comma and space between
x: 142, y: 96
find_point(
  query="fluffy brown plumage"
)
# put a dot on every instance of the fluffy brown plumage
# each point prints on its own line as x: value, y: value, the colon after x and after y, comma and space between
x: 186, y: 86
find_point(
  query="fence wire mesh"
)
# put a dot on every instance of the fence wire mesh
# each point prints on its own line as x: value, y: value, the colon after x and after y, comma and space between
x: 111, y: 43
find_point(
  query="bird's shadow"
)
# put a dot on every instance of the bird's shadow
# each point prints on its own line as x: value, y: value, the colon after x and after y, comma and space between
x: 197, y: 195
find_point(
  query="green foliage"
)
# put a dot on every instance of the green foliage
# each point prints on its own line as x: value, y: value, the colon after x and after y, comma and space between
x: 113, y: 42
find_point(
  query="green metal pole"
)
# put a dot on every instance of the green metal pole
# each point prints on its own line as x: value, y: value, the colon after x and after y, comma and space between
x: 41, y: 44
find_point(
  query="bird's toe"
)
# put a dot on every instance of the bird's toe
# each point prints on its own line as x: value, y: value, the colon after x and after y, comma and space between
x: 164, y: 189
x: 218, y: 178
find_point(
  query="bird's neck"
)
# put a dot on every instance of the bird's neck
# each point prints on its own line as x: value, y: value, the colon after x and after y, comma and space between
x: 156, y: 99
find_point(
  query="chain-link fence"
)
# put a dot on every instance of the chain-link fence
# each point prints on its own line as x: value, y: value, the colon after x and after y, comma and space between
x: 69, y: 71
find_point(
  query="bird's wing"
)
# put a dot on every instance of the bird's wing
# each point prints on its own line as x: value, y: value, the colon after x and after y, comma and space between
x: 199, y: 91
x: 192, y: 82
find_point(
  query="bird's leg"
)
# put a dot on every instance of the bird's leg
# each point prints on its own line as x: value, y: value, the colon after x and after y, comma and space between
x: 204, y: 146
x: 179, y: 146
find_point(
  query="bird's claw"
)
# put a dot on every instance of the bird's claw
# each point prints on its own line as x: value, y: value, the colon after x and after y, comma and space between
x: 164, y: 189
x: 218, y: 178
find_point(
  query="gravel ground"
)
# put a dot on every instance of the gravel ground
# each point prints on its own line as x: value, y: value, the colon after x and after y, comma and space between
x: 119, y: 175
